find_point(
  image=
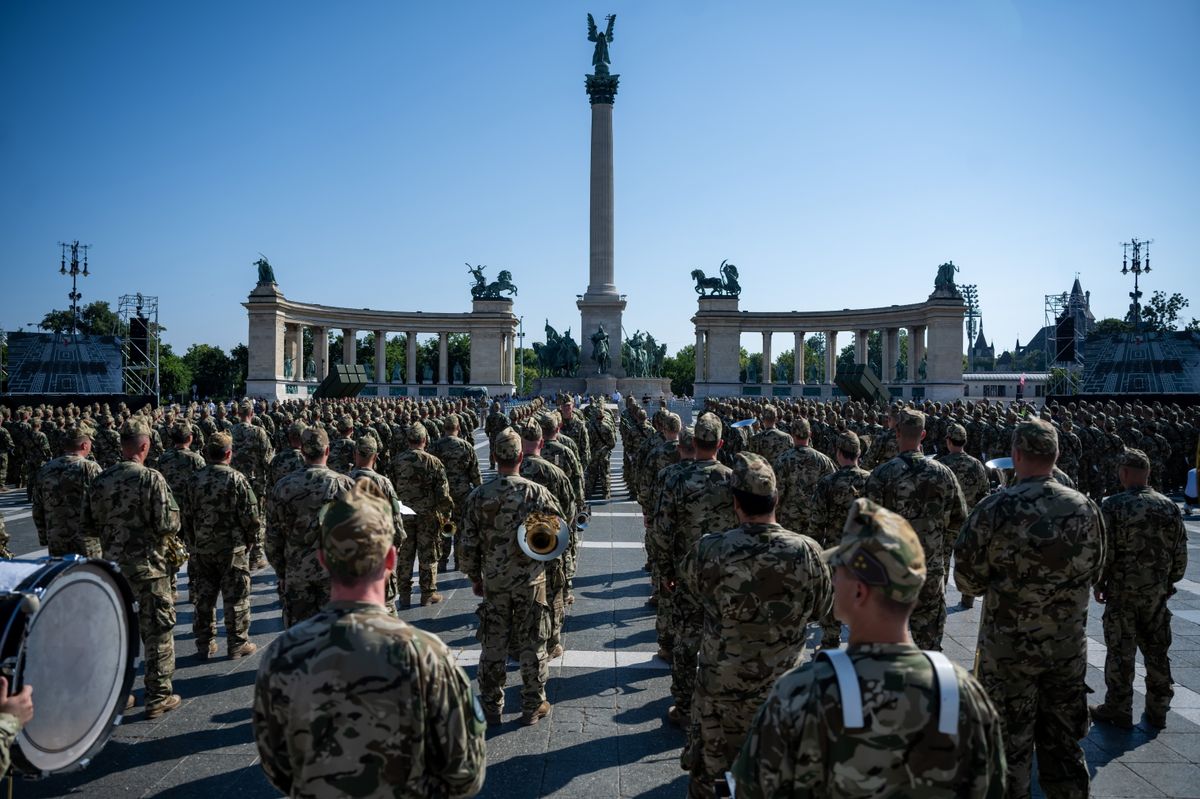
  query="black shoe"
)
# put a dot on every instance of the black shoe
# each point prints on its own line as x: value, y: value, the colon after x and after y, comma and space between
x: 1104, y: 715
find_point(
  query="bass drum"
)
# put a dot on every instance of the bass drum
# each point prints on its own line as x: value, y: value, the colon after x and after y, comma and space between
x: 68, y: 628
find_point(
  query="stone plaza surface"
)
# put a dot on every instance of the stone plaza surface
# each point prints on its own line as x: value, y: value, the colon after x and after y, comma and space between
x: 606, y: 736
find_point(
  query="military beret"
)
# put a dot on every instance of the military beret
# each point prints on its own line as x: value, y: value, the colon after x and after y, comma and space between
x: 135, y: 426
x: 508, y: 445
x: 910, y: 420
x: 367, y: 444
x: 313, y: 442
x: 356, y: 531
x: 416, y: 433
x: 880, y: 548
x: 1135, y: 459
x: 752, y: 473
x: 708, y: 429
x: 1036, y: 437
x: 957, y: 433
x: 216, y: 446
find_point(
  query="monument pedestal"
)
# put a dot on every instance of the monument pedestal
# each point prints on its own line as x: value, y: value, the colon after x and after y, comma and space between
x: 601, y: 384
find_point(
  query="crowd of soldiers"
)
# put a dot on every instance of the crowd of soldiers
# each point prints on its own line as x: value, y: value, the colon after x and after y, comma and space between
x: 762, y: 518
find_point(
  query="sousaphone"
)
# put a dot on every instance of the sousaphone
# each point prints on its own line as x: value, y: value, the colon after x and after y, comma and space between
x: 543, y: 536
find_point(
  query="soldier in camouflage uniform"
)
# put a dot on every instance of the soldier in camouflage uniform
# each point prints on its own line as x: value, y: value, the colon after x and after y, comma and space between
x: 602, y: 434
x: 292, y: 524
x: 1147, y: 555
x: 927, y: 494
x: 695, y: 501
x: 462, y: 473
x: 883, y: 446
x: 972, y: 479
x: 421, y: 483
x: 798, y: 469
x: 354, y: 702
x: 831, y: 501
x: 576, y: 429
x: 495, y: 422
x: 512, y: 585
x: 15, y: 712
x: 556, y: 450
x: 341, y: 451
x: 106, y: 448
x: 770, y: 442
x: 366, y: 451
x: 759, y: 586
x: 5, y: 554
x: 658, y: 537
x: 1070, y: 450
x: 1032, y: 550
x: 60, y: 491
x: 252, y: 454
x: 131, y: 510
x: 221, y: 523
x: 800, y: 743
x: 287, y: 459
x: 37, y: 455
x: 6, y: 449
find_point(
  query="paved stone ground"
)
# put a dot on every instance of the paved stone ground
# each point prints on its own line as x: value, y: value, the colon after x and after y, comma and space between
x: 606, y: 736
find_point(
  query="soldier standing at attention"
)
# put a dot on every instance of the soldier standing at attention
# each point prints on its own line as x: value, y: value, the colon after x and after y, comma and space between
x: 495, y: 422
x: 926, y: 493
x: 107, y: 443
x: 60, y: 491
x: 341, y: 451
x: 574, y: 428
x: 1147, y: 556
x: 770, y: 442
x: 871, y: 720
x: 695, y: 501
x: 354, y: 702
x: 287, y: 460
x: 511, y: 585
x: 759, y: 586
x: 252, y: 454
x: 178, y: 465
x: 1032, y: 551
x: 131, y: 510
x: 831, y: 501
x: 798, y: 469
x: 462, y: 473
x: 221, y: 523
x: 292, y: 525
x: 421, y: 483
x: 972, y: 479
x: 6, y: 448
x: 366, y: 451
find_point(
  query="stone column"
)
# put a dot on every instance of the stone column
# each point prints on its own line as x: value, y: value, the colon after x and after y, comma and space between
x: 916, y: 352
x: 349, y: 346
x: 766, y: 357
x: 699, y: 356
x: 887, y: 360
x: 411, y: 358
x: 798, y: 359
x: 320, y: 337
x: 831, y: 353
x: 443, y: 358
x: 512, y: 358
x: 860, y: 346
x: 380, y: 356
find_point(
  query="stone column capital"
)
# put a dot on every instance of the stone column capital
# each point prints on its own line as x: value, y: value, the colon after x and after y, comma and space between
x: 601, y: 89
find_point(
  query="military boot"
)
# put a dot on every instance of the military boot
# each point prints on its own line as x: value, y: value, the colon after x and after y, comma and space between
x: 1106, y: 715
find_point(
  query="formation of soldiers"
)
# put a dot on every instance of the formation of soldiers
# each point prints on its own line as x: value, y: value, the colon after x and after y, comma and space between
x: 762, y: 518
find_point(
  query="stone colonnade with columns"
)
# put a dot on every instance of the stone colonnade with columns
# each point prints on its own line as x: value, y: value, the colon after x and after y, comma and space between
x: 276, y: 338
x: 935, y: 335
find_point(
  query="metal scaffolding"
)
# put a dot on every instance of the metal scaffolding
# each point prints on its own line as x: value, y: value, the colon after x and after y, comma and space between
x: 1065, y: 328
x: 140, y: 344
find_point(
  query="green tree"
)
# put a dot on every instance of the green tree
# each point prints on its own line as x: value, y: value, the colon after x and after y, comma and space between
x: 211, y: 369
x: 1111, y: 326
x: 239, y: 358
x: 1162, y: 312
x: 527, y: 363
x: 174, y: 374
x: 95, y: 319
x: 680, y: 368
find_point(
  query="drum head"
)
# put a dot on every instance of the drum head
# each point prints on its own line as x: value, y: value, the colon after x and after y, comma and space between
x: 77, y: 657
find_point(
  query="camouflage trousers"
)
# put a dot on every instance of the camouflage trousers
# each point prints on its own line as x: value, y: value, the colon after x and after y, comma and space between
x: 422, y: 544
x: 1132, y: 623
x: 85, y: 545
x: 664, y: 627
x: 556, y: 597
x: 715, y: 735
x: 1042, y: 705
x: 597, y: 475
x: 928, y: 620
x: 156, y: 626
x: 261, y: 489
x: 526, y: 615
x: 3, y: 469
x: 688, y: 625
x: 303, y: 601
x: 226, y: 575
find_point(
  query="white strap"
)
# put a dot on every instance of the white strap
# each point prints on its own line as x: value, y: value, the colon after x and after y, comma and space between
x: 847, y: 678
x: 947, y: 682
x: 732, y: 783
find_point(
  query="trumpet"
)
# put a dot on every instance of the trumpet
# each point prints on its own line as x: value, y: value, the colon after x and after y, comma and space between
x: 543, y: 536
x: 446, y: 526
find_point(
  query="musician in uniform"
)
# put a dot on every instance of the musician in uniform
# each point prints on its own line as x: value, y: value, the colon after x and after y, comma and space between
x: 132, y: 511
x: 462, y: 473
x: 354, y: 702
x: 511, y: 584
x: 252, y: 454
x: 15, y: 712
x: 421, y: 483
x: 59, y: 492
x: 867, y: 720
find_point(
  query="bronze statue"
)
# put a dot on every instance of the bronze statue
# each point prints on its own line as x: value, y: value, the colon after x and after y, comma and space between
x: 266, y: 275
x: 945, y: 276
x: 725, y: 286
x: 600, y: 60
x: 482, y: 290
x: 600, y: 351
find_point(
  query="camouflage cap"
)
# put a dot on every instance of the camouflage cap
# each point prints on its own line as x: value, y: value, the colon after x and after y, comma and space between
x: 1036, y: 437
x: 136, y: 426
x: 672, y: 423
x: 356, y: 531
x: 246, y: 406
x: 880, y: 548
x: 216, y: 446
x: 345, y: 423
x: 1135, y: 459
x: 801, y: 428
x: 180, y: 431
x: 770, y: 412
x: 687, y: 437
x: 313, y: 442
x: 416, y: 433
x: 752, y: 473
x: 957, y: 433
x: 530, y: 430
x: 367, y: 444
x: 847, y: 441
x: 910, y: 420
x: 80, y: 431
x: 508, y: 445
x: 708, y: 429
x: 550, y: 422
x: 297, y: 428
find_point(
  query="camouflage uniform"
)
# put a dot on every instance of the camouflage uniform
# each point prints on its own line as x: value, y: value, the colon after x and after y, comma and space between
x: 697, y: 500
x: 798, y: 471
x: 131, y: 509
x: 106, y: 447
x: 399, y: 535
x: 972, y: 478
x: 291, y: 540
x: 252, y: 454
x: 603, y: 437
x: 926, y: 493
x: 772, y: 442
x: 60, y: 492
x: 6, y: 448
x: 576, y: 429
x: 462, y: 473
x: 514, y: 586
x: 658, y: 539
x: 1033, y: 550
x: 37, y: 455
x: 496, y: 421
x: 421, y: 483
x: 545, y: 473
x: 1147, y: 556
x: 178, y: 467
x: 558, y: 452
x: 354, y: 702
x: 10, y: 728
x: 4, y: 551
x: 341, y: 451
x: 222, y: 521
x: 759, y: 586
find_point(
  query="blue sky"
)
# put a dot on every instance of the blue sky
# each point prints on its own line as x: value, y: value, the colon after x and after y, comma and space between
x: 836, y: 152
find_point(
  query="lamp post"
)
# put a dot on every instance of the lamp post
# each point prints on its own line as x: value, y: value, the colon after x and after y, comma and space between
x: 1140, y: 265
x: 74, y: 272
x: 521, y: 354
